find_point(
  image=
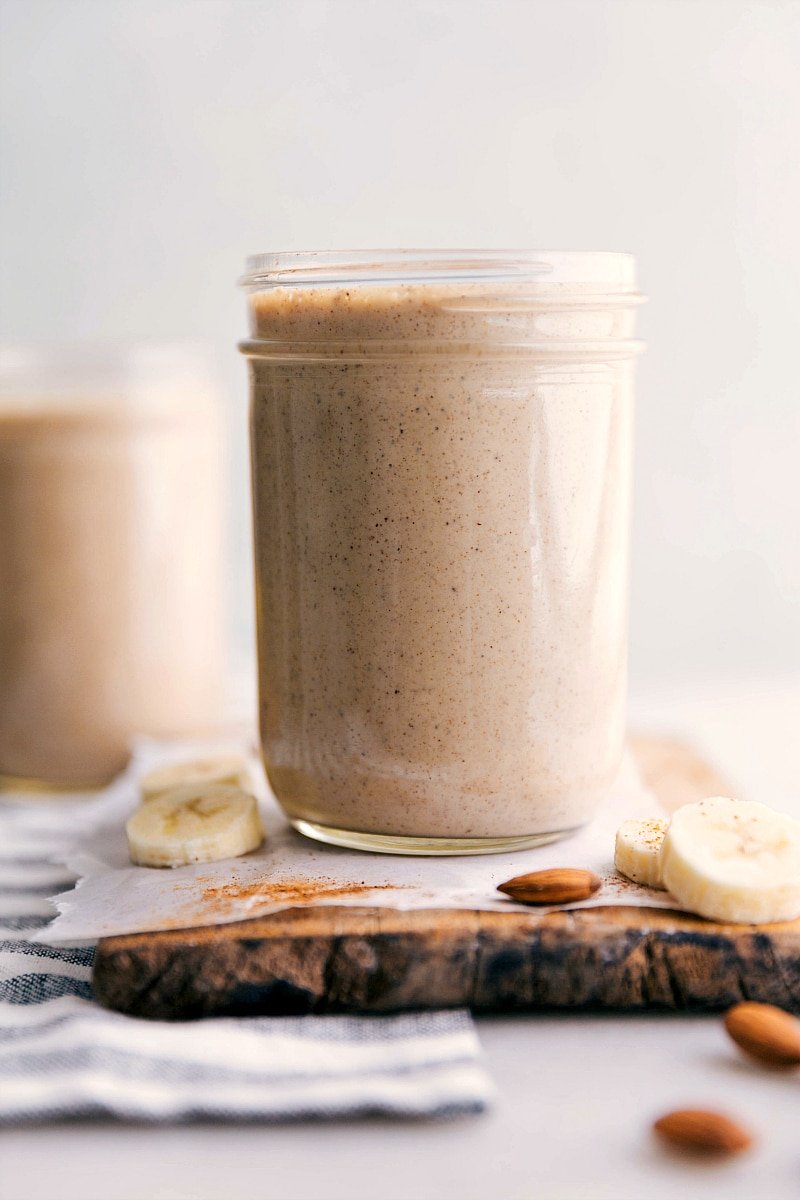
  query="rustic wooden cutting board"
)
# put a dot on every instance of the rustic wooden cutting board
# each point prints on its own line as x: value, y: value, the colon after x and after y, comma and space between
x: 342, y: 959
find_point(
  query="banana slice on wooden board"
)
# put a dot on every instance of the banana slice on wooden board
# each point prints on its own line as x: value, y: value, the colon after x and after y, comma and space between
x: 194, y: 824
x: 733, y: 860
x: 637, y: 853
x: 218, y: 768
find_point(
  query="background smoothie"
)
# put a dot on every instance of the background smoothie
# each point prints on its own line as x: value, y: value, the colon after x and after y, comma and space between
x: 110, y: 533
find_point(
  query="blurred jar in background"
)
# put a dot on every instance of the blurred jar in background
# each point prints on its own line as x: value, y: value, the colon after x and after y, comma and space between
x: 110, y: 556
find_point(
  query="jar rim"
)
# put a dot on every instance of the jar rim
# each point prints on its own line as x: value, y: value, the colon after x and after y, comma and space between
x: 615, y: 270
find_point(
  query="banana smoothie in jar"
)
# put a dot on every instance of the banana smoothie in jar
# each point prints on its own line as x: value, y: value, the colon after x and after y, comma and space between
x: 441, y: 455
x: 110, y: 565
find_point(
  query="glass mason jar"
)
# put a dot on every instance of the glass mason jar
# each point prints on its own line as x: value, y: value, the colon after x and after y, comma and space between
x: 110, y: 537
x: 441, y: 455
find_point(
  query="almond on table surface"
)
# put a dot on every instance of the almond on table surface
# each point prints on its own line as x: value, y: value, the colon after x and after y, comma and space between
x: 703, y: 1131
x: 558, y: 885
x: 765, y: 1032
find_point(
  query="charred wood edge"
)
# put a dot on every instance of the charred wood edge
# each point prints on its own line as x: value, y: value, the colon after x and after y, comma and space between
x: 342, y: 959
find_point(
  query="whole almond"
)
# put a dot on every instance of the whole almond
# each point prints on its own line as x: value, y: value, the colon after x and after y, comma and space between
x: 765, y: 1032
x: 708, y: 1132
x: 559, y: 885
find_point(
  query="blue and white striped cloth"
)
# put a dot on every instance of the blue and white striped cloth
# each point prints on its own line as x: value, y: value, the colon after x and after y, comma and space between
x: 62, y: 1055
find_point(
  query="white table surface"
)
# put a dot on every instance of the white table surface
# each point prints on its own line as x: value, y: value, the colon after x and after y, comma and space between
x: 576, y: 1094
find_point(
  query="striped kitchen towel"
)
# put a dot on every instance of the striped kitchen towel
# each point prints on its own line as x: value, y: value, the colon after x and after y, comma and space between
x: 62, y: 1055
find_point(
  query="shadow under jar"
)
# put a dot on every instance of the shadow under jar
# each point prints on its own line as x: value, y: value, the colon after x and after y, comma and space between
x: 441, y: 455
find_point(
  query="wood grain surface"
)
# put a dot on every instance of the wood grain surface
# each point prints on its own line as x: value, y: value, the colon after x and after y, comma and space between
x: 345, y: 959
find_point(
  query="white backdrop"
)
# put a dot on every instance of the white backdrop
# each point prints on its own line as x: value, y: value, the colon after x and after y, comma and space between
x: 147, y: 147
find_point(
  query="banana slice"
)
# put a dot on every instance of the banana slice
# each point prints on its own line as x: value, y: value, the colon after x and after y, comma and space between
x: 218, y: 768
x: 192, y: 825
x: 637, y: 854
x: 733, y: 860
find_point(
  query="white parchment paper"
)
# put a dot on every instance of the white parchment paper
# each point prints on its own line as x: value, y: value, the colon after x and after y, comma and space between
x: 114, y: 897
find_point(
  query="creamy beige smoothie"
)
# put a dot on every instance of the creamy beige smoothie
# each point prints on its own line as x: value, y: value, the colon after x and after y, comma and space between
x: 110, y: 522
x: 441, y: 496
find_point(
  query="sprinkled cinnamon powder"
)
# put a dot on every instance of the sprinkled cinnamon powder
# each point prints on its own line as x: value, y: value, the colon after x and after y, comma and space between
x: 288, y: 891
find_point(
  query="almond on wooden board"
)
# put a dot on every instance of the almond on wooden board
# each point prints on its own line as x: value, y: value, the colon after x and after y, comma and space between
x: 703, y: 1131
x: 559, y: 885
x: 765, y: 1032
